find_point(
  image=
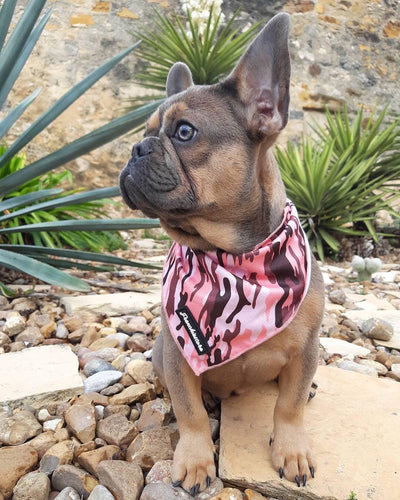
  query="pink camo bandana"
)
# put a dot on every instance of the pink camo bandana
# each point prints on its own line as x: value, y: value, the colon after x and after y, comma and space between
x: 220, y: 305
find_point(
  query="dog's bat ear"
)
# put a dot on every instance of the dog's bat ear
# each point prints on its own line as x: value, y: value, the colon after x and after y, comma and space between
x: 262, y: 78
x: 179, y: 79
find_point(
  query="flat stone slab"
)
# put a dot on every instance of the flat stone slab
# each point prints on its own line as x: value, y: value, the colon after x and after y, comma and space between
x: 38, y: 375
x: 113, y: 304
x: 392, y: 317
x: 353, y: 427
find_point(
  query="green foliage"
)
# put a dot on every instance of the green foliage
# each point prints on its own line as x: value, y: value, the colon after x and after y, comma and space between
x: 83, y: 240
x: 340, y: 178
x: 24, y: 211
x: 209, y: 56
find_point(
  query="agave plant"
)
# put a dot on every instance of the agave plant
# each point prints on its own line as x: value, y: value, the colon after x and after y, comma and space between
x: 209, y: 55
x: 40, y: 261
x: 341, y: 178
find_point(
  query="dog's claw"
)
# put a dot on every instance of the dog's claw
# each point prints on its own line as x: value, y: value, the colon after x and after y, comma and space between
x: 270, y: 441
x: 312, y: 471
x: 297, y: 479
x: 176, y: 484
x: 280, y: 472
x: 208, y: 481
x: 304, y: 479
x: 314, y: 385
x: 311, y: 394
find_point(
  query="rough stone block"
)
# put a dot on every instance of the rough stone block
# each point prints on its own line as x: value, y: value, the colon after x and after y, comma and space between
x: 38, y: 375
x: 114, y: 304
x: 352, y: 425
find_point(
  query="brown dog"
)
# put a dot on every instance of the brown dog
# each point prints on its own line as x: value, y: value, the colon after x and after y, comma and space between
x: 205, y: 168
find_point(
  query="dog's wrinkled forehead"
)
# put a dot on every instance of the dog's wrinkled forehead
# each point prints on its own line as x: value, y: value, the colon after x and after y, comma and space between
x: 193, y: 106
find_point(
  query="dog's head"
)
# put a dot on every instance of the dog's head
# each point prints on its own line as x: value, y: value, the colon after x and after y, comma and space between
x: 203, y: 166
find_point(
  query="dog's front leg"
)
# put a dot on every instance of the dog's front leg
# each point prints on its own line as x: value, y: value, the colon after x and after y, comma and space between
x: 291, y: 453
x: 193, y: 466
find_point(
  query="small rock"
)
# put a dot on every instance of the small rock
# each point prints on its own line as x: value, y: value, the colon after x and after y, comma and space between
x: 4, y: 339
x: 14, y: 324
x: 90, y: 460
x: 108, y: 353
x: 377, y: 329
x: 113, y: 409
x: 120, y: 362
x: 90, y: 335
x: 30, y: 336
x: 105, y: 331
x: 158, y: 491
x: 78, y: 479
x: 100, y: 492
x: 123, y: 479
x: 337, y: 297
x: 228, y: 494
x: 139, y: 342
x: 43, y: 442
x: 34, y: 485
x: 101, y: 380
x: 18, y: 428
x: 253, y: 495
x: 140, y: 370
x: 72, y: 322
x: 155, y: 414
x: 68, y: 493
x: 81, y: 421
x: 149, y: 447
x: 116, y: 429
x: 112, y: 389
x: 92, y: 398
x: 59, y: 454
x: 214, y: 489
x: 121, y: 338
x: 15, y: 462
x: 137, y: 393
x: 356, y: 367
x: 103, y: 343
x: 53, y: 424
x: 160, y: 472
x: 381, y: 369
x: 17, y: 346
x: 48, y: 329
x: 61, y: 330
x: 337, y: 346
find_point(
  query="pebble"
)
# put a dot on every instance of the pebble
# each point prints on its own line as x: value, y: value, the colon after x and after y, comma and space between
x: 345, y: 364
x: 123, y: 479
x: 14, y: 324
x: 59, y: 454
x: 101, y: 380
x: 137, y: 393
x: 89, y: 460
x: 81, y: 421
x: 155, y: 414
x: 395, y: 371
x: 158, y: 491
x: 140, y: 370
x: 15, y: 462
x: 100, y: 492
x: 34, y: 485
x: 117, y: 429
x: 149, y: 447
x: 61, y: 330
x: 68, y: 493
x: 378, y: 367
x: 378, y: 329
x: 96, y: 365
x: 30, y: 336
x: 18, y: 428
x: 74, y: 477
x: 337, y: 297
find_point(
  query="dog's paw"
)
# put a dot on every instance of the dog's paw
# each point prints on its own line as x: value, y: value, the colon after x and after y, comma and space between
x: 291, y: 454
x: 193, y: 468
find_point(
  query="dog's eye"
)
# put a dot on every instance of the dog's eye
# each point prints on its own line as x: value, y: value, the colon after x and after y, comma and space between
x: 185, y: 132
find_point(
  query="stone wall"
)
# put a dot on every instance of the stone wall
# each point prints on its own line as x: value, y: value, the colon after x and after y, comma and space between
x: 342, y: 51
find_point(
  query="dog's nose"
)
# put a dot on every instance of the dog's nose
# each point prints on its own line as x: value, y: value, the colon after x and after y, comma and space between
x: 141, y: 149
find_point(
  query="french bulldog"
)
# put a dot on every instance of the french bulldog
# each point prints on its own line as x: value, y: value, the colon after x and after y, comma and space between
x: 242, y: 294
